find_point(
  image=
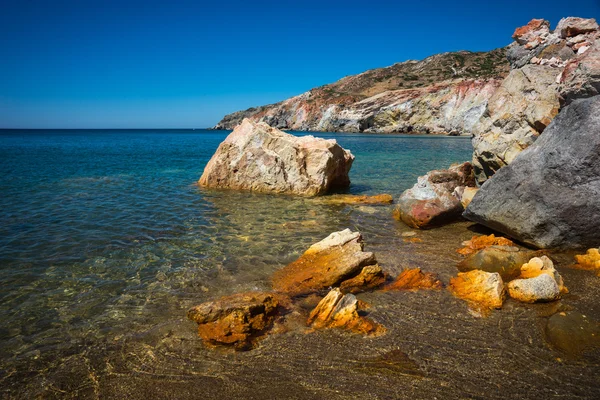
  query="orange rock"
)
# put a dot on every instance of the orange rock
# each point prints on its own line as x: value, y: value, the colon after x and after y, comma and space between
x: 337, y: 310
x: 542, y: 265
x: 414, y: 279
x: 371, y: 277
x: 325, y: 264
x: 412, y: 240
x: 480, y: 288
x: 589, y: 261
x: 236, y: 320
x: 357, y: 199
x: 481, y: 242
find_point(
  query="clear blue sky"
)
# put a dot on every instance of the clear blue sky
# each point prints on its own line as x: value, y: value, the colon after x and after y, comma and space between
x: 184, y: 64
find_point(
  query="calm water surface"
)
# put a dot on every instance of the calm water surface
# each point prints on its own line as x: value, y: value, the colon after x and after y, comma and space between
x: 105, y: 242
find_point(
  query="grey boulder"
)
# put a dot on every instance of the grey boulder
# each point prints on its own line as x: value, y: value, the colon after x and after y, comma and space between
x: 549, y: 196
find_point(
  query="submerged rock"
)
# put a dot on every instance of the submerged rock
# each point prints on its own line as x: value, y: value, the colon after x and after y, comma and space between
x: 357, y: 199
x: 337, y: 310
x: 572, y: 333
x: 481, y: 242
x: 328, y: 263
x: 505, y: 260
x: 414, y: 279
x: 235, y: 320
x: 480, y: 288
x: 432, y: 201
x: 258, y: 157
x: 371, y: 277
x: 548, y: 197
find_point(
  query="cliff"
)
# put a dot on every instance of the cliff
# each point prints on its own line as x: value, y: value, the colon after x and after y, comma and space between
x: 442, y: 94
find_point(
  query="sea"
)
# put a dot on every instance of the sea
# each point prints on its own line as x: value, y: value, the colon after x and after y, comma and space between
x: 106, y: 240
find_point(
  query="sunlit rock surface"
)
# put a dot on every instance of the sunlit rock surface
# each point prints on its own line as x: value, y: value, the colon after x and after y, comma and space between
x: 480, y: 288
x: 260, y: 158
x: 414, y: 279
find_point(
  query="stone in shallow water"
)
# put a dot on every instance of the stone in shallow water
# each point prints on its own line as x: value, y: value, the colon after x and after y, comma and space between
x: 371, y: 277
x: 480, y: 288
x: 505, y: 260
x: 433, y: 200
x: 572, y: 332
x: 539, y: 289
x: 260, y: 158
x: 542, y: 265
x: 589, y: 261
x: 481, y: 242
x: 236, y: 320
x: 336, y: 258
x: 414, y: 279
x: 337, y: 310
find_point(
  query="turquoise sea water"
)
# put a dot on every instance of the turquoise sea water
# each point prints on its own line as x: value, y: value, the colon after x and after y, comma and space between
x: 106, y: 241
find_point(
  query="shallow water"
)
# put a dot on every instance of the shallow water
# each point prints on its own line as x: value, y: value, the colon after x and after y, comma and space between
x: 105, y: 242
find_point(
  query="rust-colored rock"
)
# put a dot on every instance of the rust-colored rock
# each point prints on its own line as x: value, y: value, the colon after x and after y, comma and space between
x: 542, y: 265
x: 331, y: 261
x: 589, y: 261
x: 337, y: 310
x: 480, y: 288
x: 235, y: 320
x: 414, y: 279
x: 532, y: 31
x: 357, y: 199
x: 371, y: 277
x: 481, y: 242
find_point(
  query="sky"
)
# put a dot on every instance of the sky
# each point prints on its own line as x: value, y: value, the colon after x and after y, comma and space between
x: 185, y: 64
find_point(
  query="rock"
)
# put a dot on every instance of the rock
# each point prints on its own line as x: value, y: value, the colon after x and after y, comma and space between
x: 572, y: 332
x: 480, y: 288
x: 336, y: 258
x: 235, y: 320
x: 258, y: 157
x: 534, y: 31
x: 589, y: 261
x: 357, y: 199
x: 414, y: 279
x: 548, y: 196
x: 481, y: 242
x: 505, y: 260
x: 432, y: 201
x: 516, y: 115
x: 543, y: 265
x: 542, y: 288
x: 337, y: 310
x: 466, y: 194
x: 371, y: 277
x: 581, y: 76
x: 573, y: 26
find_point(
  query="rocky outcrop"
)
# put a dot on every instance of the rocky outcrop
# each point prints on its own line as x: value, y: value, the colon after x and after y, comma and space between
x: 415, y: 279
x: 433, y: 200
x: 338, y: 310
x: 504, y: 260
x: 328, y: 263
x: 549, y: 70
x: 258, y: 157
x: 548, y: 197
x: 235, y: 320
x: 516, y: 114
x: 443, y: 94
x: 482, y: 289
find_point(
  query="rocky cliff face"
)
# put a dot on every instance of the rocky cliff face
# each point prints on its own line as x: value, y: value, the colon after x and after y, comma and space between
x: 549, y: 69
x: 443, y: 94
